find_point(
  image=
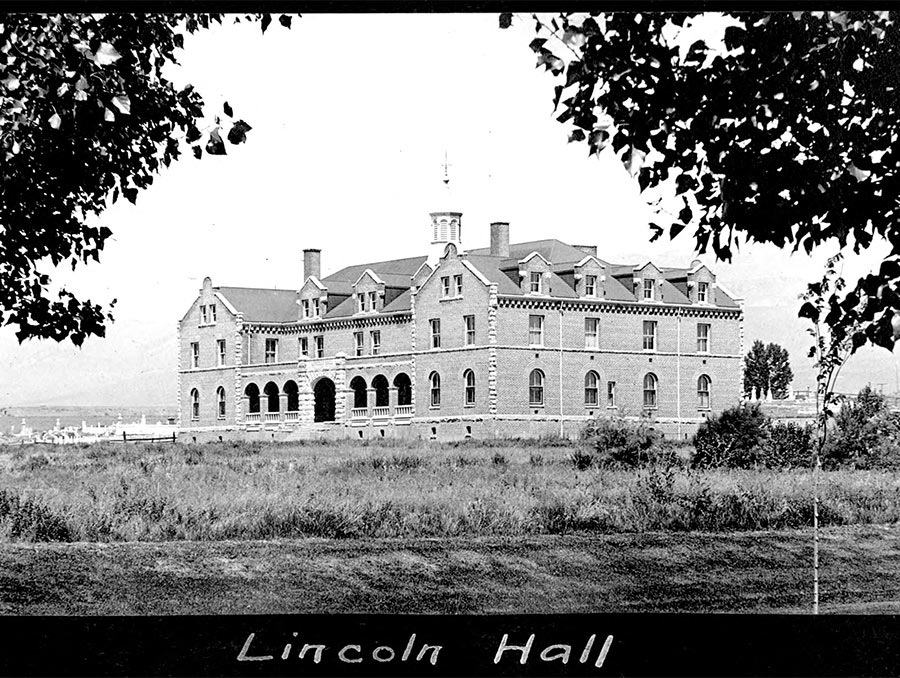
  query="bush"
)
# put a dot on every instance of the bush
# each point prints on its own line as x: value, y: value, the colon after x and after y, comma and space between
x: 866, y: 435
x: 789, y: 446
x: 734, y: 438
x: 617, y: 442
x: 27, y: 520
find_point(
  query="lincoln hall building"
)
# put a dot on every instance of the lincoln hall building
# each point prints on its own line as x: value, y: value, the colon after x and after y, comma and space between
x: 515, y: 339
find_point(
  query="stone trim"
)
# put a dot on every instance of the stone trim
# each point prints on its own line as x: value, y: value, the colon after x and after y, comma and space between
x: 328, y: 324
x: 606, y: 305
x: 492, y: 349
x: 178, y: 367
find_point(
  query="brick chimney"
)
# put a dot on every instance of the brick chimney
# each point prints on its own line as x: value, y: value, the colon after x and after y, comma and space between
x: 312, y: 264
x: 500, y: 239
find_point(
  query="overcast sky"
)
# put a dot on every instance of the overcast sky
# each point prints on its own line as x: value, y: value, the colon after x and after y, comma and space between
x: 351, y: 117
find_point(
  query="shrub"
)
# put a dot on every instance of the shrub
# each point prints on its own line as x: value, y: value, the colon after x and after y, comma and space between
x: 733, y: 438
x: 617, y: 442
x: 499, y: 459
x: 865, y: 435
x: 789, y: 446
x: 581, y: 460
x: 27, y: 520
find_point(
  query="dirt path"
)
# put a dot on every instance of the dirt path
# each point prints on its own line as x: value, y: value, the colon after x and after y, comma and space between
x: 744, y: 572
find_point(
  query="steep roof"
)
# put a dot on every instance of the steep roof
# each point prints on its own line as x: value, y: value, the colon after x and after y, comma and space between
x: 553, y: 250
x: 395, y: 272
x: 262, y: 305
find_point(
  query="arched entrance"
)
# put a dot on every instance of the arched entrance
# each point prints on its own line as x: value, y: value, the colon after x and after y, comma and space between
x: 404, y: 389
x: 380, y: 384
x: 252, y: 393
x: 293, y: 396
x: 360, y: 396
x: 323, y: 391
x: 272, y: 400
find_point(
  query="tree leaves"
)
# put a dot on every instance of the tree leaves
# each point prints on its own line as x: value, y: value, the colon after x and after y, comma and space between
x: 506, y: 19
x: 238, y: 133
x: 215, y: 145
x: 227, y: 109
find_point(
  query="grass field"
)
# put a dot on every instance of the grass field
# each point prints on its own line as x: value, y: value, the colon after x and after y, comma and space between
x: 513, y: 527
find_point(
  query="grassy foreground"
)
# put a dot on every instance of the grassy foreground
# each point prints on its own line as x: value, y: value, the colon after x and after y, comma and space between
x: 651, y: 572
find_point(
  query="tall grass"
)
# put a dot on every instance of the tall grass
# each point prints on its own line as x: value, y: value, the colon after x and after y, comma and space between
x: 343, y: 491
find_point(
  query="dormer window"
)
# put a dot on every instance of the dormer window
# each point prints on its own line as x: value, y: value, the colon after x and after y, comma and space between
x: 457, y: 285
x: 590, y: 286
x: 648, y: 289
x: 203, y: 317
x: 361, y: 301
x: 445, y: 286
x: 305, y: 305
x: 212, y: 312
x: 703, y: 292
x: 535, y: 282
x: 316, y: 309
x: 372, y: 297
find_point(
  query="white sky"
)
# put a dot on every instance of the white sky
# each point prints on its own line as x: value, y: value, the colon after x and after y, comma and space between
x: 351, y: 116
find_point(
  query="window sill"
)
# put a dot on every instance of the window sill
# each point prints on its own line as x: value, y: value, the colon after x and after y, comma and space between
x: 536, y: 405
x: 612, y: 407
x: 457, y: 298
x: 469, y: 405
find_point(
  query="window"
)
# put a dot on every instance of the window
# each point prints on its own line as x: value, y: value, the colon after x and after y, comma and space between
x: 271, y: 350
x: 648, y: 289
x: 702, y: 338
x: 361, y: 301
x: 315, y: 308
x: 445, y: 286
x: 435, y: 380
x: 320, y: 347
x: 457, y: 285
x: 591, y: 389
x: 703, y: 392
x: 212, y: 312
x: 373, y: 296
x: 536, y: 330
x: 536, y: 388
x: 469, y: 382
x: 376, y: 342
x: 590, y: 286
x: 203, y: 317
x: 650, y: 383
x: 592, y: 333
x: 305, y: 305
x: 469, y: 321
x: 304, y: 346
x: 195, y: 354
x: 220, y: 401
x: 649, y: 335
x: 435, y: 332
x: 221, y: 347
x: 535, y: 282
x: 610, y: 394
x: 702, y: 291
x: 195, y: 404
x: 360, y: 342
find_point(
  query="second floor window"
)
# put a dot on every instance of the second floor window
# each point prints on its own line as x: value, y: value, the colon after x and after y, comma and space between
x: 457, y: 285
x: 702, y: 338
x: 360, y: 342
x: 445, y: 286
x: 702, y: 292
x: 221, y: 347
x: 435, y: 332
x: 195, y: 354
x: 590, y: 286
x: 536, y: 330
x: 592, y: 333
x: 649, y: 335
x: 320, y: 347
x: 469, y: 321
x: 271, y: 350
x: 304, y: 346
x: 376, y: 342
x: 534, y: 282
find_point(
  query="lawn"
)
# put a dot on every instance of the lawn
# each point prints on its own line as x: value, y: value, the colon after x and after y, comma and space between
x: 391, y: 527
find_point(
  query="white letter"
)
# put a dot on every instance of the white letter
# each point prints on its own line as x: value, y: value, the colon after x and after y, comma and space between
x: 603, y: 652
x: 564, y: 654
x: 434, y: 653
x: 409, y: 648
x: 525, y: 650
x: 242, y: 657
x: 587, y: 648
x: 342, y: 655
x: 317, y: 657
x: 383, y: 647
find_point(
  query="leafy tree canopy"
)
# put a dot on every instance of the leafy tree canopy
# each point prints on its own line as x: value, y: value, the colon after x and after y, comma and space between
x: 786, y: 133
x: 87, y: 116
x: 767, y: 370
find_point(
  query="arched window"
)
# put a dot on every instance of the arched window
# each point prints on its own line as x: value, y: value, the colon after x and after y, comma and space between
x: 453, y: 232
x: 360, y: 394
x: 443, y: 229
x: 591, y: 388
x: 469, y: 383
x: 195, y: 404
x: 404, y: 389
x: 703, y: 392
x: 536, y: 388
x: 252, y: 393
x: 382, y: 396
x: 220, y: 401
x: 293, y: 395
x: 435, y: 380
x: 273, y: 402
x: 650, y: 384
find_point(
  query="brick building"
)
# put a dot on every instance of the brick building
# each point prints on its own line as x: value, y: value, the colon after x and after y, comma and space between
x: 514, y: 339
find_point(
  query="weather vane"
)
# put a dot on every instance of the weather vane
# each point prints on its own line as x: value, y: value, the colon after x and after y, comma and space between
x: 446, y: 170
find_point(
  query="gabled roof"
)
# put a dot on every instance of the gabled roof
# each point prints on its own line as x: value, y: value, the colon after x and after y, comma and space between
x: 372, y: 274
x: 262, y: 305
x: 531, y: 256
x: 399, y: 267
x: 551, y: 249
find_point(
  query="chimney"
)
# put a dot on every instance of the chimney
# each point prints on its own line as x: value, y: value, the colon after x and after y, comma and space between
x: 312, y: 263
x: 500, y: 239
